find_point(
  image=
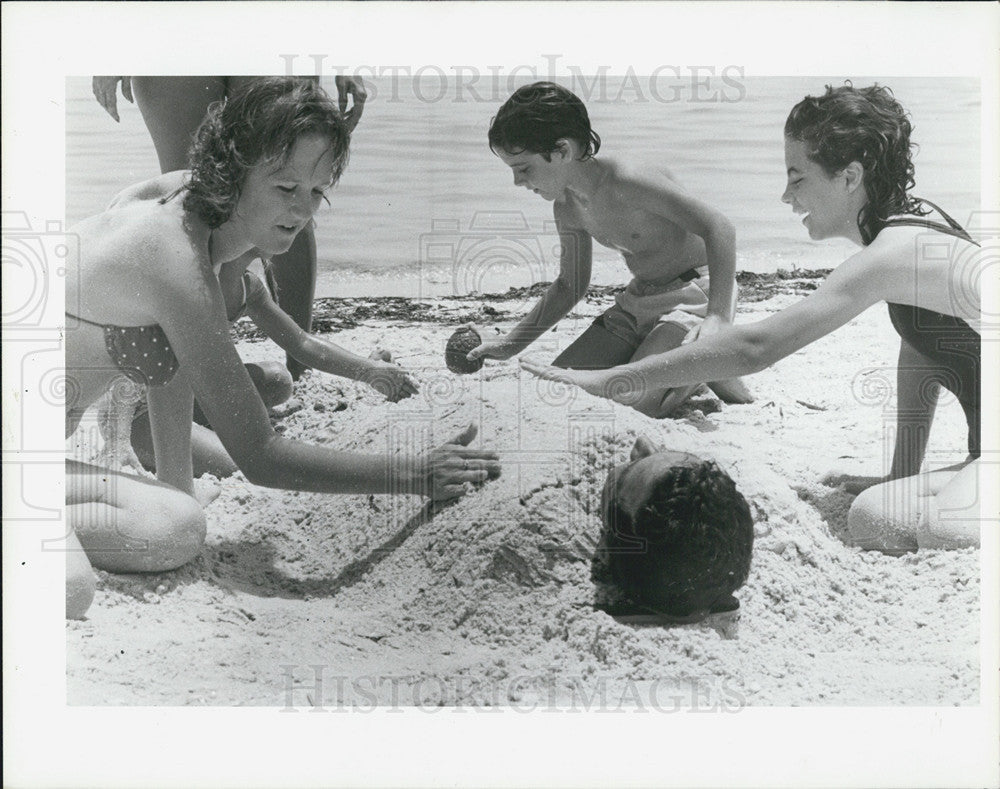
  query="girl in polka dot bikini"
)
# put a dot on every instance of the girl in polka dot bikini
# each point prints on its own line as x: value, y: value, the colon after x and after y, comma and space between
x: 148, y: 307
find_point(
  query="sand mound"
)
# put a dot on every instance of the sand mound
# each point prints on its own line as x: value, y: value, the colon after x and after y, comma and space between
x: 489, y: 600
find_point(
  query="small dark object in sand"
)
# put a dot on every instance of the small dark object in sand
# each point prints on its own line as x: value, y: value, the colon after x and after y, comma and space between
x: 459, y: 345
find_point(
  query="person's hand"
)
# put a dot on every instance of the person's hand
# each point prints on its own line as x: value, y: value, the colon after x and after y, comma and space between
x: 712, y: 324
x: 616, y: 383
x: 851, y: 483
x: 106, y: 93
x: 390, y: 380
x: 351, y: 86
x: 499, y: 348
x: 450, y: 470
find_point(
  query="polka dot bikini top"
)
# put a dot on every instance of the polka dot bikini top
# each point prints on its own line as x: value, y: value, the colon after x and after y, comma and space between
x: 143, y: 353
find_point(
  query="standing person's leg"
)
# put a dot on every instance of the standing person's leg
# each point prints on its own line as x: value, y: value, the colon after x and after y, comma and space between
x: 173, y: 108
x: 292, y: 277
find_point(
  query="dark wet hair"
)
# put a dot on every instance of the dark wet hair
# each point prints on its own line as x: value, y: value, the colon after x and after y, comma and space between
x: 260, y: 122
x: 865, y: 125
x: 687, y: 547
x: 537, y: 116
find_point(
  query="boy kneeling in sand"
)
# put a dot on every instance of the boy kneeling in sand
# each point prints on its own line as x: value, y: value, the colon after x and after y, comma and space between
x: 675, y: 542
x: 673, y: 245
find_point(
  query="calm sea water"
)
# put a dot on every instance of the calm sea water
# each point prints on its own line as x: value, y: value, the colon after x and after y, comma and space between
x: 425, y: 208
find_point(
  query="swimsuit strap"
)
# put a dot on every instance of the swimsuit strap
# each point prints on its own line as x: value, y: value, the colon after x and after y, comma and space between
x: 944, y: 214
x: 953, y: 228
x: 167, y: 198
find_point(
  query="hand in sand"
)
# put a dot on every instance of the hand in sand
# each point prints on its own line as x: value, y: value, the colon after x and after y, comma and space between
x: 351, y: 86
x: 450, y: 470
x: 616, y: 384
x: 106, y: 92
x: 388, y: 378
x: 499, y: 348
x: 851, y: 483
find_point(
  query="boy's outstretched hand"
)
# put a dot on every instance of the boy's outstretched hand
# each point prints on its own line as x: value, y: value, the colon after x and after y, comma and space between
x: 500, y: 348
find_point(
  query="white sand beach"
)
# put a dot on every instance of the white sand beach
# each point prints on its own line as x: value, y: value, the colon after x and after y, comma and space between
x: 488, y: 601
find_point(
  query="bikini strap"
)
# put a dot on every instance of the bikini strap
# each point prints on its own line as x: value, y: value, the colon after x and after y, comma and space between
x: 84, y: 320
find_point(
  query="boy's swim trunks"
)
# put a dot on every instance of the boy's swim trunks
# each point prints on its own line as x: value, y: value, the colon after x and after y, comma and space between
x: 642, y: 306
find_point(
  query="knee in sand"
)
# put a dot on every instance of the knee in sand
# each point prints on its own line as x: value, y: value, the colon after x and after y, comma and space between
x: 882, y: 519
x: 168, y: 530
x: 181, y: 534
x: 273, y: 382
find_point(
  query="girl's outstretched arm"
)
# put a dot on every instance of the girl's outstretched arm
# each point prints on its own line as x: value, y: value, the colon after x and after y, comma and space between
x: 734, y: 350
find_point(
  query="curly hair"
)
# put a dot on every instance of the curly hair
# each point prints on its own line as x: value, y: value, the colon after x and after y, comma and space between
x: 688, y: 546
x: 537, y: 116
x: 261, y: 122
x: 865, y: 125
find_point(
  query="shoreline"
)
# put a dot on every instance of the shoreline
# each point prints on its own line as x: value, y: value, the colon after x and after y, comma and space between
x: 333, y: 314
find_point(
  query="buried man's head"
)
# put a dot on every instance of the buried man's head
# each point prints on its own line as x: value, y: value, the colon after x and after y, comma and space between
x: 677, y: 535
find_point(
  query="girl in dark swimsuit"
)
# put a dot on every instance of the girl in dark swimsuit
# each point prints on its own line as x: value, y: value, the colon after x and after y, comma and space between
x: 849, y: 167
x: 260, y: 168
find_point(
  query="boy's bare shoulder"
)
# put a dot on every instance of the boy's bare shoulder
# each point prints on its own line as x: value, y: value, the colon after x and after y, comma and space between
x: 641, y: 170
